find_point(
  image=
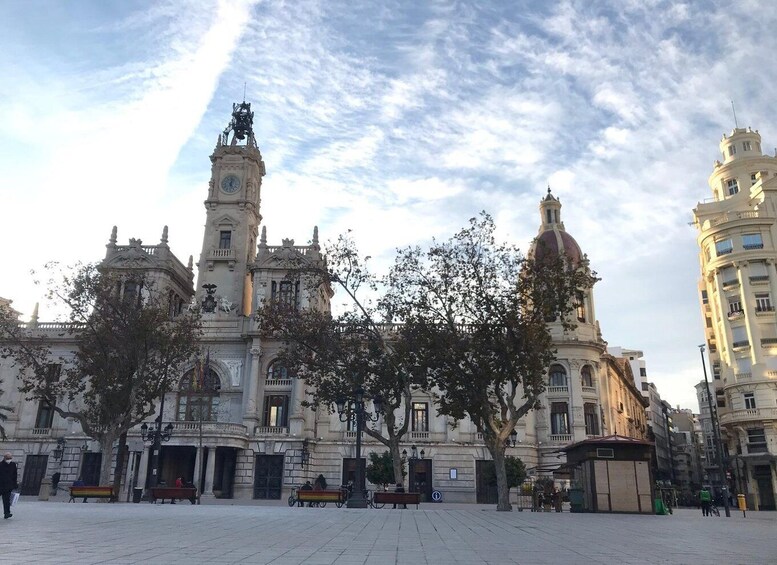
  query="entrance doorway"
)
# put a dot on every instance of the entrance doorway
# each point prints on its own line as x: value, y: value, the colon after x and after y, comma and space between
x: 420, y: 479
x: 34, y: 470
x: 268, y: 480
x: 349, y: 470
x: 90, y: 468
x: 224, y: 472
x: 485, y: 475
x: 763, y: 478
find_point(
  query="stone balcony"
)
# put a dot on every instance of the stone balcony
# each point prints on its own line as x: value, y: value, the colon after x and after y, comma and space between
x: 748, y: 415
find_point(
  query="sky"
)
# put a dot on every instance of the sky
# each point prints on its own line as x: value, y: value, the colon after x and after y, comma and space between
x: 396, y: 120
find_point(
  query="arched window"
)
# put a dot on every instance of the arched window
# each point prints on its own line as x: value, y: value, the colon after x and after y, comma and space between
x: 558, y: 376
x: 198, y: 396
x: 586, y: 376
x: 277, y: 371
x: 580, y: 307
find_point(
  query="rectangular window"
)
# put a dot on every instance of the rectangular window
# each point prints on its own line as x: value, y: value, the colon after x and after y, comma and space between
x: 746, y: 146
x: 756, y: 440
x: 749, y: 398
x: 642, y: 372
x: 645, y: 386
x: 45, y: 415
x: 705, y: 297
x: 734, y: 305
x: 753, y: 179
x: 721, y: 402
x: 286, y: 292
x: 723, y: 247
x: 276, y: 410
x: 752, y: 241
x: 420, y: 417
x: 225, y: 239
x: 716, y: 371
x: 591, y: 419
x: 763, y: 302
x: 732, y: 150
x: 559, y: 418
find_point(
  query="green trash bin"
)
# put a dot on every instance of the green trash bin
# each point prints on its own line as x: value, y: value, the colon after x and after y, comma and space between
x: 660, y: 507
x: 575, y: 500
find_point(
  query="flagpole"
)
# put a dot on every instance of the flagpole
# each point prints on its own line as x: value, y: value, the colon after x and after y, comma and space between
x: 203, y: 378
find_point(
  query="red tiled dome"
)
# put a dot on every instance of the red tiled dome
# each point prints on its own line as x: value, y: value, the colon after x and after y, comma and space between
x: 556, y: 241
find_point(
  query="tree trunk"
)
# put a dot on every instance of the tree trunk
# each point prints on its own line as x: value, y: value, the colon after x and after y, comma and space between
x: 117, y: 473
x: 106, y: 448
x: 503, y: 491
x: 396, y: 459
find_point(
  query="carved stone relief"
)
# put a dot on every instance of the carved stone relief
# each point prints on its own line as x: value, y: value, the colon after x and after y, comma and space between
x: 235, y: 367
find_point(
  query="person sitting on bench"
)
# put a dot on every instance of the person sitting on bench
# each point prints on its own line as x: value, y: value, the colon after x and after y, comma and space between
x: 400, y: 488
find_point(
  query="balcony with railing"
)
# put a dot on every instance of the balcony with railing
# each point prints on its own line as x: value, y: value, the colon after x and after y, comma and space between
x: 561, y: 438
x: 589, y: 390
x: 743, y: 344
x: 736, y: 314
x: 420, y: 436
x: 278, y: 383
x: 764, y: 310
x: 748, y: 415
x: 759, y: 279
x: 558, y: 390
x: 730, y: 283
x: 217, y: 254
x: 271, y: 431
x: 768, y: 341
x: 192, y: 427
x: 741, y: 377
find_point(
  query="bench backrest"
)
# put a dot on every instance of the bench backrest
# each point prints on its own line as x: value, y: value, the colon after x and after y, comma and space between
x: 397, y: 497
x: 319, y: 495
x: 91, y: 491
x: 178, y: 492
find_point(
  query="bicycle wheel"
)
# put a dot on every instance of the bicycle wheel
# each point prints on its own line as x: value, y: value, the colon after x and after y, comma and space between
x: 321, y: 504
x: 339, y: 503
x: 378, y: 505
x: 292, y: 500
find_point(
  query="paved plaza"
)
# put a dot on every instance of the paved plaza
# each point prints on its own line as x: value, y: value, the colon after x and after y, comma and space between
x: 55, y: 532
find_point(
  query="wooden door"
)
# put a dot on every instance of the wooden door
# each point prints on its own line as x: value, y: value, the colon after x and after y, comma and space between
x: 90, y: 468
x: 485, y: 475
x: 421, y: 478
x: 34, y: 471
x: 268, y: 478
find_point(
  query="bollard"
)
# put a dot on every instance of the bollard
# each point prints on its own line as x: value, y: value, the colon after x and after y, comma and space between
x: 742, y: 503
x: 45, y: 489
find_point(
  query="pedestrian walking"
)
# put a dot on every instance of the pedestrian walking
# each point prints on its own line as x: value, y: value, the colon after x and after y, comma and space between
x: 8, y: 482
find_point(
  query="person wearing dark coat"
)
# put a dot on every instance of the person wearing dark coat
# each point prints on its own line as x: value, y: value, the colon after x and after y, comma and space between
x: 8, y: 482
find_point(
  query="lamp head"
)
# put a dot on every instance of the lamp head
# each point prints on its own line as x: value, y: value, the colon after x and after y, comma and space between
x: 413, y: 452
x: 340, y: 403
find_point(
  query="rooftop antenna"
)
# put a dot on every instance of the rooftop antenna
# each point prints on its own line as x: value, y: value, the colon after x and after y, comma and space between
x: 244, y: 92
x: 733, y: 110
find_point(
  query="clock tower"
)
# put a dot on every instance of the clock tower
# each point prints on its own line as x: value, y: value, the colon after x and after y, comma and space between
x: 232, y: 218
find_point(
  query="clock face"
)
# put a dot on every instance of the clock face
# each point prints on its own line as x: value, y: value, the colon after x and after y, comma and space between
x: 230, y: 184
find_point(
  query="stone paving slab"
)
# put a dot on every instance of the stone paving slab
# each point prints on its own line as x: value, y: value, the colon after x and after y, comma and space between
x: 51, y: 532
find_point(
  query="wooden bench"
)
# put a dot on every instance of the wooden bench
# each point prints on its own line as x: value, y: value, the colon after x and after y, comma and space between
x: 383, y: 497
x: 173, y: 494
x: 91, y: 492
x: 336, y: 496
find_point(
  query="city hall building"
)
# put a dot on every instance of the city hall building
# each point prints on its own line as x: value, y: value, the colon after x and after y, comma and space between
x: 256, y: 439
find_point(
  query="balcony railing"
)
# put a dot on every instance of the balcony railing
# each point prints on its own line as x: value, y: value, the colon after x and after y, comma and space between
x: 732, y: 282
x: 223, y: 254
x: 753, y: 245
x: 741, y: 344
x: 748, y: 415
x: 41, y: 432
x: 759, y: 279
x: 589, y: 390
x: 558, y: 389
x: 271, y: 431
x: 419, y: 436
x: 193, y: 426
x: 561, y: 438
x: 744, y: 376
x: 278, y: 383
x: 350, y: 435
x: 735, y: 314
x: 768, y: 341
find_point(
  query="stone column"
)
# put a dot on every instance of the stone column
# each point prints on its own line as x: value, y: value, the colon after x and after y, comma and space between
x: 197, y: 469
x: 209, y: 471
x: 577, y: 428
x: 143, y: 469
x: 253, y: 388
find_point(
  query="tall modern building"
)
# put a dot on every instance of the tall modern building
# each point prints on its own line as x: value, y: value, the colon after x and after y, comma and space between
x: 737, y: 237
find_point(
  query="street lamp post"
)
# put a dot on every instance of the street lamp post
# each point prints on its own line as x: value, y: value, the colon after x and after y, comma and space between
x: 156, y: 437
x: 716, y: 436
x: 354, y: 408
